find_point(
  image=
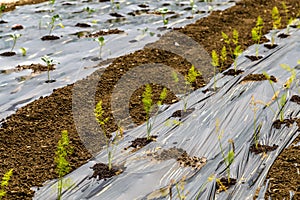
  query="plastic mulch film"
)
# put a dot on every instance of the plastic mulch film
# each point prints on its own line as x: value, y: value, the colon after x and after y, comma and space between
x: 227, y: 112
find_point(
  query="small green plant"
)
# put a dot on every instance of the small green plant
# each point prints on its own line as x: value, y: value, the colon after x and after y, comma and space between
x: 237, y: 48
x: 189, y: 80
x: 49, y: 62
x: 4, y: 182
x: 276, y: 22
x: 111, y: 143
x: 223, y: 57
x: 51, y: 3
x: 180, y: 188
x: 256, y: 129
x: 229, y: 158
x: 163, y: 12
x: 53, y: 24
x: 89, y: 10
x: 62, y: 165
x: 15, y: 37
x: 2, y: 8
x: 101, y: 43
x: 192, y: 4
x: 215, y: 63
x: 24, y: 51
x: 257, y: 33
x: 148, y: 106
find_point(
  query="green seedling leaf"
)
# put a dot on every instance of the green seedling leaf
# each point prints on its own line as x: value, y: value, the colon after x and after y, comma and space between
x: 162, y: 97
x: 235, y: 37
x: 276, y: 18
x: 215, y: 58
x: 192, y: 75
x: 225, y: 38
x: 147, y: 99
x: 24, y: 51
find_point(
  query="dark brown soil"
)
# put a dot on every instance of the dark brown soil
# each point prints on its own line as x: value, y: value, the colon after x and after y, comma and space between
x: 287, y: 122
x: 257, y: 77
x: 284, y: 175
x: 262, y: 148
x: 12, y: 6
x: 3, y: 22
x: 82, y: 25
x: 29, y: 137
x: 101, y: 171
x: 181, y: 114
x: 117, y: 15
x: 191, y: 161
x: 50, y: 37
x: 102, y: 33
x: 138, y: 12
x: 283, y: 35
x: 143, y: 6
x: 225, y: 185
x: 270, y: 46
x: 17, y: 27
x: 139, y: 143
x: 232, y: 72
x: 36, y: 67
x: 8, y: 54
x: 254, y: 58
x: 296, y: 99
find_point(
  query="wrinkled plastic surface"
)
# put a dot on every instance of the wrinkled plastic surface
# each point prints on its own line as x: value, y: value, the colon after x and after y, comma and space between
x: 77, y: 55
x: 197, y: 135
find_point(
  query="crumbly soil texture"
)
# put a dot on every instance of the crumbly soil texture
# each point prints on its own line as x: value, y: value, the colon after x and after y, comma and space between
x: 29, y: 137
x: 225, y: 184
x: 102, y: 171
x: 258, y: 77
x: 139, y: 143
x: 261, y: 148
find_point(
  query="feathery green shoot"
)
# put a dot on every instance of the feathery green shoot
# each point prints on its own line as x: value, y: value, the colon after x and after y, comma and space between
x: 276, y: 18
x: 215, y: 63
x: 4, y: 182
x: 62, y: 165
x: 257, y: 33
x: 223, y: 56
x: 190, y: 79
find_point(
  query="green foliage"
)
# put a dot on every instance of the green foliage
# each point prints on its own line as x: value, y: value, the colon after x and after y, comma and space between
x: 110, y: 143
x: 101, y: 43
x: 257, y: 32
x: 15, y: 37
x: 62, y: 165
x: 24, y: 51
x: 291, y: 79
x: 53, y: 24
x: 89, y: 10
x: 282, y: 103
x: 215, y: 63
x: 223, y: 56
x: 163, y: 12
x: 229, y: 158
x: 49, y: 62
x: 237, y: 48
x: 276, y: 18
x: 4, y: 182
x: 189, y: 80
x: 148, y: 104
x: 52, y: 2
x: 2, y: 8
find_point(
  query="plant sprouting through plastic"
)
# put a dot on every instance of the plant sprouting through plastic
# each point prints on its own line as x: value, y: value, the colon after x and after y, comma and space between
x: 4, y: 182
x: 257, y: 33
x: 15, y: 37
x: 53, y: 24
x: 148, y: 106
x: 62, y: 164
x: 49, y: 62
x: 101, y: 43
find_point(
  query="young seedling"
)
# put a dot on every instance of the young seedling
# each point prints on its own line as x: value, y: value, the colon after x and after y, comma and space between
x: 190, y: 79
x: 24, y: 51
x: 15, y: 37
x: 101, y: 43
x: 62, y: 164
x: 223, y: 57
x: 51, y: 3
x: 229, y: 158
x: 276, y: 23
x: 180, y: 188
x: 257, y: 33
x: 193, y: 6
x: 49, y: 62
x: 148, y: 106
x: 163, y: 12
x: 237, y: 49
x: 53, y: 24
x: 111, y: 143
x: 2, y: 8
x: 275, y: 97
x: 256, y: 129
x: 89, y: 10
x: 215, y: 63
x: 4, y: 182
